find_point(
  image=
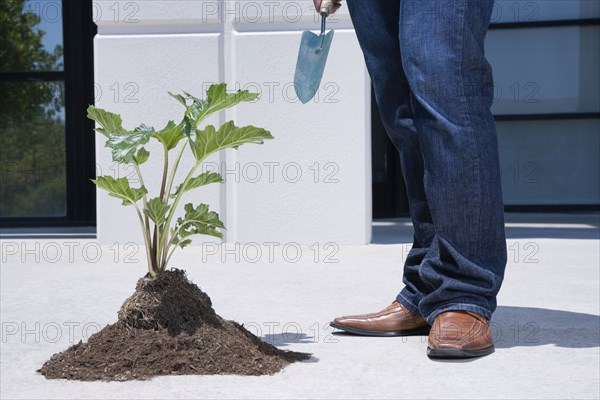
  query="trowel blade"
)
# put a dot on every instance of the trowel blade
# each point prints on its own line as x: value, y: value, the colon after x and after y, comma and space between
x: 312, y: 57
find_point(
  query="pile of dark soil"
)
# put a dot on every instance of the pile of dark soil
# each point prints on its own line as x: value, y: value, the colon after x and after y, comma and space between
x: 168, y: 327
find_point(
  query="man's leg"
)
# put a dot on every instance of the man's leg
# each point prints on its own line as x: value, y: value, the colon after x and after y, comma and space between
x: 451, y: 165
x: 441, y: 45
x: 376, y: 23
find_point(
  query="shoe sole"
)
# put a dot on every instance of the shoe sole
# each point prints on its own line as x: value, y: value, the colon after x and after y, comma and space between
x: 454, y: 354
x: 360, y: 332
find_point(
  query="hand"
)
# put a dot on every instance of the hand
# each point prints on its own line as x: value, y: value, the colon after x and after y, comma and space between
x: 333, y: 7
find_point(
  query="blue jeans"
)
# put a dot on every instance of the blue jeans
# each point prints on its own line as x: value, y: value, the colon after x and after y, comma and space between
x: 434, y: 89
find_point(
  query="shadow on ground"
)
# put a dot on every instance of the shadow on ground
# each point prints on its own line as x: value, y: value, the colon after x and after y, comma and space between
x: 285, y: 338
x: 529, y: 326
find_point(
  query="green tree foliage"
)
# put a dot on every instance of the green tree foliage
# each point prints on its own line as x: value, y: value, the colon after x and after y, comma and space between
x: 32, y: 136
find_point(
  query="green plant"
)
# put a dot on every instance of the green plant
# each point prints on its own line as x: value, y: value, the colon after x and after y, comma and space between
x: 162, y: 235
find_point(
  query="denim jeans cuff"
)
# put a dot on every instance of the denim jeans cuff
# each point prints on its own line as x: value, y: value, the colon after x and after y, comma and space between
x: 459, y: 307
x: 407, y: 304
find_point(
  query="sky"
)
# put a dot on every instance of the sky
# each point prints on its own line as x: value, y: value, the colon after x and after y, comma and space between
x: 50, y: 12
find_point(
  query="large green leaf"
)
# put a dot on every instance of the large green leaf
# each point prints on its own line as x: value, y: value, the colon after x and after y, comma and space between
x: 196, y: 221
x: 179, y: 98
x: 120, y: 189
x: 217, y: 99
x: 157, y: 210
x: 201, y: 180
x: 210, y: 140
x: 109, y: 123
x: 170, y: 135
x: 141, y: 156
x: 125, y: 144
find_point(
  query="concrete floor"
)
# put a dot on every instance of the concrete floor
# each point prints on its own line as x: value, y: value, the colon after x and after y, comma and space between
x: 547, y: 327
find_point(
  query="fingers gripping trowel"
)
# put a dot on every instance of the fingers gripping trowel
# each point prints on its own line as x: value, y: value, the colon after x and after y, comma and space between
x: 312, y: 58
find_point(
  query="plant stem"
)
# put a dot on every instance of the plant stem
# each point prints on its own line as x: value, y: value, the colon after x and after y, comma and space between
x: 170, y: 254
x: 139, y: 174
x: 167, y: 192
x: 165, y: 170
x: 176, y: 203
x: 170, y: 244
x: 146, y: 241
x: 158, y: 231
x: 147, y: 221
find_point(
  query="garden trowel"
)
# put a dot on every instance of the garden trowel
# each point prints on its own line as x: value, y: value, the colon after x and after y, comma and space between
x: 312, y: 58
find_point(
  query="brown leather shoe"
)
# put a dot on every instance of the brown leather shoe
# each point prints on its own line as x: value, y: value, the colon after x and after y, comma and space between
x: 459, y: 334
x: 394, y: 320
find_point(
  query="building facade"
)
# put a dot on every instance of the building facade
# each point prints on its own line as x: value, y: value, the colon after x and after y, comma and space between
x: 330, y: 168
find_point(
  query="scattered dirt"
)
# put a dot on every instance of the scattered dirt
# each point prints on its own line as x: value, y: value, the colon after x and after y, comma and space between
x: 168, y: 327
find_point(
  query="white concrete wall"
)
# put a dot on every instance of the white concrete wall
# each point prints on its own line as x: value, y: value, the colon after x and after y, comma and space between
x: 146, y: 48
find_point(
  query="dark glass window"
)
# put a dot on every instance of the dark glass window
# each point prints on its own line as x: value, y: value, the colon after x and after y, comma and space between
x: 46, y: 82
x: 545, y: 59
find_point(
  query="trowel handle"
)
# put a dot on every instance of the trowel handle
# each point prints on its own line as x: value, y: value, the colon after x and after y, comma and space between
x: 326, y: 6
